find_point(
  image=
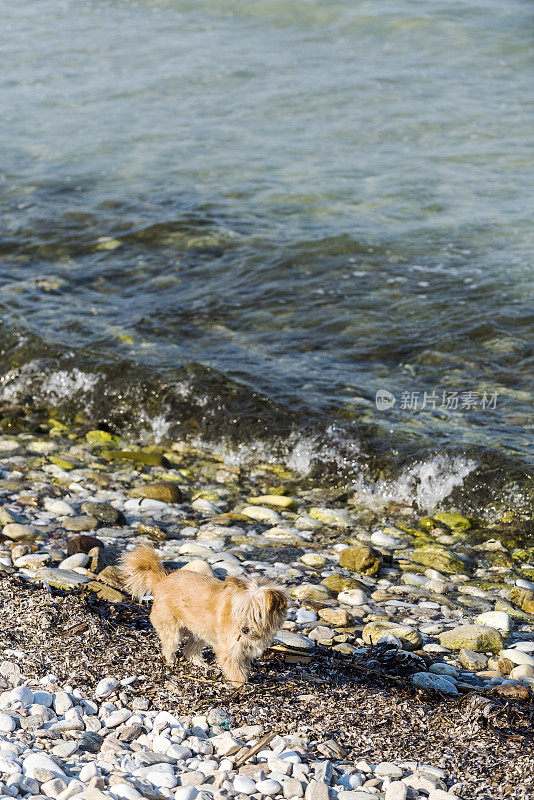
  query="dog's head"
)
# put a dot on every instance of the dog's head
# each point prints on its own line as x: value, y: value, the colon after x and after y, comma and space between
x: 258, y: 607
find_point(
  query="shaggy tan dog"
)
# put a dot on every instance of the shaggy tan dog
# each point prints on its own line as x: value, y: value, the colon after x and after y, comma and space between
x: 237, y: 617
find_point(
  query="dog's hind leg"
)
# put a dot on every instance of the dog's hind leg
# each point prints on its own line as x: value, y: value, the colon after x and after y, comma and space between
x: 169, y: 633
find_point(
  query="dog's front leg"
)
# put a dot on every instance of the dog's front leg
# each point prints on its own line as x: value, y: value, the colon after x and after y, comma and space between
x: 234, y: 664
x: 193, y: 652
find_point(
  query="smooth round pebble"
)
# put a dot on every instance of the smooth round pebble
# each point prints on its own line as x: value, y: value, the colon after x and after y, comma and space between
x: 22, y: 695
x: 352, y: 597
x: 517, y: 656
x: 268, y: 787
x: 123, y: 791
x: 7, y: 723
x: 441, y: 668
x: 427, y: 680
x: 106, y: 687
x: 305, y: 616
x: 37, y: 761
x: 244, y: 785
x: 163, y: 780
x: 185, y: 793
x: 117, y: 717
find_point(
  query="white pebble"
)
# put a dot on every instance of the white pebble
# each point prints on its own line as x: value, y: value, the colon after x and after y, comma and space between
x: 163, y: 780
x: 7, y: 723
x: 88, y: 771
x: 76, y: 560
x: 268, y: 787
x: 244, y: 785
x: 123, y: 791
x: 523, y: 584
x: 22, y: 695
x: 117, y: 718
x: 58, y: 507
x: 106, y: 687
x: 8, y: 766
x: 36, y: 761
x: 517, y: 656
x: 352, y: 597
x: 385, y: 540
x: 186, y: 793
x: 495, y: 619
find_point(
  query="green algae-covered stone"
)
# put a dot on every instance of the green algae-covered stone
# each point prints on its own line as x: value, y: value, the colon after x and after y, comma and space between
x: 519, y: 596
x: 410, y: 638
x: 360, y: 558
x: 427, y: 524
x: 310, y: 591
x: 137, y: 457
x: 331, y: 516
x: 515, y: 613
x: 479, y: 638
x: 453, y: 521
x: 62, y: 463
x: 104, y: 513
x: 339, y: 583
x: 165, y: 492
x: 101, y: 437
x: 439, y: 558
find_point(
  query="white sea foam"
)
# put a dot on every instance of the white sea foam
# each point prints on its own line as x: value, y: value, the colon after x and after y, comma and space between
x: 55, y: 385
x: 156, y: 428
x: 425, y: 484
x: 65, y: 383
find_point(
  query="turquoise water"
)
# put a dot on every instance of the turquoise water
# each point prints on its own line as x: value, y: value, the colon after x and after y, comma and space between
x: 313, y: 201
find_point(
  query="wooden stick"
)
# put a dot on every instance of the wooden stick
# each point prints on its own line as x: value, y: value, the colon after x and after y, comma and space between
x: 263, y: 742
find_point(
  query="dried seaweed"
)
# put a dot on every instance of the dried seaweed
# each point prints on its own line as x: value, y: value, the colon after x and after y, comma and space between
x: 366, y: 704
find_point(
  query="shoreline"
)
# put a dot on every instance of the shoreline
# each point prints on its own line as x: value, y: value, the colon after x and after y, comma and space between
x: 425, y: 694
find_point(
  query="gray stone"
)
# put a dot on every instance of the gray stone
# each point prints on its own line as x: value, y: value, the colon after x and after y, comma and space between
x: 60, y: 578
x: 437, y: 683
x: 316, y: 790
x: 292, y: 788
x: 104, y: 513
x: 472, y: 660
x: 293, y: 641
x: 90, y: 742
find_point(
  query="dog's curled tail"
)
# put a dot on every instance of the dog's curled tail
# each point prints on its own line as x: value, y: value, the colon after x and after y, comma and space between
x: 141, y: 571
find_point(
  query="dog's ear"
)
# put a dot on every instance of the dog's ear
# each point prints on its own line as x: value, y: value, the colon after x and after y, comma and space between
x: 277, y: 601
x: 235, y: 583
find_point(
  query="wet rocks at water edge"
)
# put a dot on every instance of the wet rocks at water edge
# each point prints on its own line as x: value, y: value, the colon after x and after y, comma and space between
x: 434, y: 607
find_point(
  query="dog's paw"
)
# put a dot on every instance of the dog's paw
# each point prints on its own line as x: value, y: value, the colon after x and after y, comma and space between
x: 198, y: 661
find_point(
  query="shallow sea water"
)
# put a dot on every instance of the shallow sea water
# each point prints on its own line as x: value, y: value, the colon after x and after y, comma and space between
x: 266, y: 212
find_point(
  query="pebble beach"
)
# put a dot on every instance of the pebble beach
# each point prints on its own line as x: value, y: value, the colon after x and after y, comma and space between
x: 405, y: 668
